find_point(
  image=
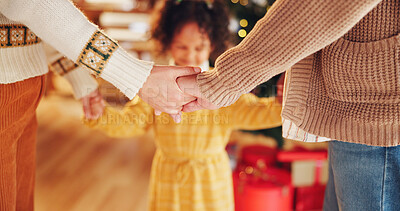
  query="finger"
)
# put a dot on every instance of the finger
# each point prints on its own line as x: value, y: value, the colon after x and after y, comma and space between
x: 169, y: 110
x: 188, y: 85
x: 184, y: 71
x: 173, y: 111
x: 157, y: 112
x: 192, y: 106
x: 86, y: 107
x: 97, y: 98
x: 176, y: 117
x: 98, y: 110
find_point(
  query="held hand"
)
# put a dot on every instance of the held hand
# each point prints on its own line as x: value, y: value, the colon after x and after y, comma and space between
x: 93, y: 105
x: 188, y: 84
x: 161, y: 90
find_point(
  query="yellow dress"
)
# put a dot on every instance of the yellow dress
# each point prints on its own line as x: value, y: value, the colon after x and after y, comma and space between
x: 191, y: 170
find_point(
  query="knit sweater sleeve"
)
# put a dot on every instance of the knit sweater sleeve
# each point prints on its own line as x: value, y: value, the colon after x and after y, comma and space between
x: 253, y: 113
x: 135, y: 119
x: 63, y: 26
x: 290, y: 31
x: 78, y: 77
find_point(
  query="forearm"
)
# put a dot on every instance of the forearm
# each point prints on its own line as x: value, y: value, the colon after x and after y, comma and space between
x: 289, y: 32
x: 63, y: 26
x: 258, y: 113
x: 80, y: 79
x: 119, y: 123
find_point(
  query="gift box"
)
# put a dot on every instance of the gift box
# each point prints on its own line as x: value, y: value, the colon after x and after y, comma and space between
x: 307, y: 167
x: 309, y: 172
x: 258, y: 155
x: 262, y: 190
x: 258, y: 184
x: 309, y: 198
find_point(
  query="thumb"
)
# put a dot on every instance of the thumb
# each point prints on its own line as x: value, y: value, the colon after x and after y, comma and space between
x: 185, y: 71
x: 188, y: 85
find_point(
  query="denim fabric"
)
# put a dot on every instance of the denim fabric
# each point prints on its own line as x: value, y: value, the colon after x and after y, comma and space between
x: 363, y: 178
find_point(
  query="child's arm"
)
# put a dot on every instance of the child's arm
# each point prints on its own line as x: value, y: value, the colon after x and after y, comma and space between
x: 253, y: 113
x: 134, y: 120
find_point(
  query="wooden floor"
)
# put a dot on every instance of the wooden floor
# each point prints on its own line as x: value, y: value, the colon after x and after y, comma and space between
x: 83, y: 170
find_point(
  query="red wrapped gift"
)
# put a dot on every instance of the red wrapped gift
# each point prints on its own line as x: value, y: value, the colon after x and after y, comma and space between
x: 300, y: 153
x: 262, y: 190
x: 307, y: 197
x: 255, y: 155
x: 311, y: 197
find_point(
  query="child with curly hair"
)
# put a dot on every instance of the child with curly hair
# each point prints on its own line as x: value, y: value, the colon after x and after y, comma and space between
x: 191, y: 32
x: 191, y: 170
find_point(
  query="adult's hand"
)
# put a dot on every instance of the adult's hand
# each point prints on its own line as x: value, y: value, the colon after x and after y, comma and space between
x: 162, y: 92
x: 188, y: 84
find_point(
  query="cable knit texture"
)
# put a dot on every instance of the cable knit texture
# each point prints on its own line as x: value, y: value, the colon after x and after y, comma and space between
x: 60, y: 24
x: 344, y: 79
x: 289, y: 32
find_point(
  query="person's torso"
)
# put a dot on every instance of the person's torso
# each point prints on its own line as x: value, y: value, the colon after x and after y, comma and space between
x: 21, y: 52
x: 200, y: 133
x: 353, y: 85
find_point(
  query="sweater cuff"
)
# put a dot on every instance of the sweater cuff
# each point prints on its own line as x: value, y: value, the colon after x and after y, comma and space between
x: 81, y: 81
x: 215, y: 90
x: 126, y: 73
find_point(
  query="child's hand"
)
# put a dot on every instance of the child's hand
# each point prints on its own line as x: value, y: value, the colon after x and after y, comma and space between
x: 93, y: 105
x: 188, y: 84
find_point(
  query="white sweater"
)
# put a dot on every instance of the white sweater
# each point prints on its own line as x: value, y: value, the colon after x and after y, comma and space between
x: 60, y: 24
x: 79, y: 77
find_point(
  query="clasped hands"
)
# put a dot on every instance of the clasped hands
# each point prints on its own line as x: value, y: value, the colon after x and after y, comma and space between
x: 168, y: 89
x: 174, y: 90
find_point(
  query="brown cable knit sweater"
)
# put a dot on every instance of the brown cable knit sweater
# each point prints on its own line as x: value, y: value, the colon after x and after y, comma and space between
x: 344, y: 80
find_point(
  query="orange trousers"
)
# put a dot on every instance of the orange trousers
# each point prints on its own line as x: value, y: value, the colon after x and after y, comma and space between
x: 18, y: 125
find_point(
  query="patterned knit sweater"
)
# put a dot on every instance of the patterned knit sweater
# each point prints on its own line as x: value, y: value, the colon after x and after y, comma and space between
x: 343, y: 58
x: 24, y: 23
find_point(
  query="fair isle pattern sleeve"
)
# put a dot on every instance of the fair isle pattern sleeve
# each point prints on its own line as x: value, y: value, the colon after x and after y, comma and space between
x: 78, y: 76
x: 15, y: 35
x: 62, y: 66
x: 97, y: 52
x: 63, y: 26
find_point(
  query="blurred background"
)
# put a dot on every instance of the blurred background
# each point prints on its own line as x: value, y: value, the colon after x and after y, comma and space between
x: 81, y: 169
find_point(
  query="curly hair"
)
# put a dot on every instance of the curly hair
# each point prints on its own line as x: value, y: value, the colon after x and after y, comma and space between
x: 211, y: 16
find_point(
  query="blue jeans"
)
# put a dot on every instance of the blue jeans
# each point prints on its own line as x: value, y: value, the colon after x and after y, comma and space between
x: 363, y: 178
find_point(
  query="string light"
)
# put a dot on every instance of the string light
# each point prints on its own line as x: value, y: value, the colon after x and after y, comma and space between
x: 243, y: 23
x: 235, y: 1
x: 242, y: 33
x: 244, y: 2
